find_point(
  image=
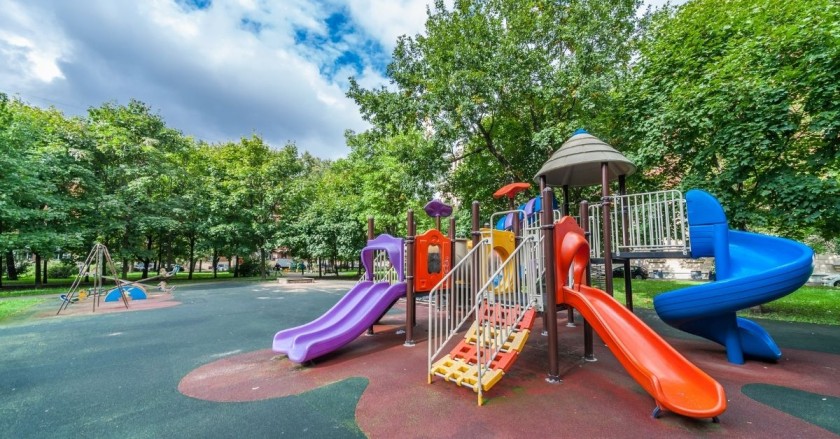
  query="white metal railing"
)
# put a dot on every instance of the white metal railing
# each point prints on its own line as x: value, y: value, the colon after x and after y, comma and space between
x: 534, y: 263
x: 652, y: 222
x: 451, y: 301
x: 383, y: 271
x: 511, y: 286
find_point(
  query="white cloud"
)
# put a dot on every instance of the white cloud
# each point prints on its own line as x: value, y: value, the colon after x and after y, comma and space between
x: 220, y: 73
x: 387, y: 20
x: 202, y: 70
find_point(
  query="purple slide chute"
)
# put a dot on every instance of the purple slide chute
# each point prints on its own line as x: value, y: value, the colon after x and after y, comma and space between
x: 358, y: 310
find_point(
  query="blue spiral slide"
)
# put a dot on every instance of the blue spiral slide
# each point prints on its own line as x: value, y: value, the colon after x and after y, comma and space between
x: 751, y: 268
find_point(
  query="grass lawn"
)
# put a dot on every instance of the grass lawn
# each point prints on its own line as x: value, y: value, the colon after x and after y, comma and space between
x: 12, y: 308
x: 807, y: 304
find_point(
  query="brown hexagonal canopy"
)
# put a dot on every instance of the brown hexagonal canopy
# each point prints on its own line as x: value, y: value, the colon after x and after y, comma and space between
x: 578, y: 162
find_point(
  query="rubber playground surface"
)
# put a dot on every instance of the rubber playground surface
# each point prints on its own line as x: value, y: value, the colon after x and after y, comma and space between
x: 198, y: 363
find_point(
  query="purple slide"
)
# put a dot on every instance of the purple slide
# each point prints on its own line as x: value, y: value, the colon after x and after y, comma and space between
x: 358, y: 310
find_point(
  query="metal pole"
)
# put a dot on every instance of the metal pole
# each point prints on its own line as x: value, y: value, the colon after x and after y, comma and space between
x: 410, y: 304
x: 628, y: 276
x: 451, y: 233
x: 566, y: 197
x: 588, y: 351
x: 545, y: 313
x: 370, y: 236
x: 476, y: 238
x: 550, y: 294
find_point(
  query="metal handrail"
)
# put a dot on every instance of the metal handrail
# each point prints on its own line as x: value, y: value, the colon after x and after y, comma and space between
x: 443, y: 325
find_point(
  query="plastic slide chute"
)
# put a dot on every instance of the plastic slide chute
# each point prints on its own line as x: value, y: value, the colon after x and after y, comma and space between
x: 358, y: 310
x: 751, y: 269
x: 353, y: 314
x: 675, y: 383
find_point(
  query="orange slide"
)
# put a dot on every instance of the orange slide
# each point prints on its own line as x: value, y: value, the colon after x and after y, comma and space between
x: 675, y: 383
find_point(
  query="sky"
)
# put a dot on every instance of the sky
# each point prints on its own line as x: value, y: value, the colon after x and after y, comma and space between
x: 217, y: 70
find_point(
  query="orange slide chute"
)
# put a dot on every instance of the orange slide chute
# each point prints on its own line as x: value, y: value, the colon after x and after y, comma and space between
x: 675, y: 383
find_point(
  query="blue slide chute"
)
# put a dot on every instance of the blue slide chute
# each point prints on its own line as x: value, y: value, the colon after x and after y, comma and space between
x: 751, y: 269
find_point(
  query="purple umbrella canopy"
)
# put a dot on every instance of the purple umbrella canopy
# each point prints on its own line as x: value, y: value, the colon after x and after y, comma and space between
x: 437, y: 208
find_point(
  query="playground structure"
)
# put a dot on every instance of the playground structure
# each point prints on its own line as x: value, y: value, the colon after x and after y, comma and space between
x: 99, y: 259
x: 482, y: 305
x: 138, y: 291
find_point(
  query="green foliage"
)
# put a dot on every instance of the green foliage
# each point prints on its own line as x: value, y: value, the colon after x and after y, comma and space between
x: 741, y: 98
x: 251, y: 267
x: 62, y: 270
x: 490, y: 80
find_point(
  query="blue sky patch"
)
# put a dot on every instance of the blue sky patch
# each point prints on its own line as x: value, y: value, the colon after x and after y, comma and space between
x: 194, y: 4
x: 355, y: 49
x: 254, y: 27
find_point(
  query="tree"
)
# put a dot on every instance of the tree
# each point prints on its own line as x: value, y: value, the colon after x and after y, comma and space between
x: 493, y: 82
x: 137, y: 157
x: 46, y: 183
x: 250, y: 187
x: 741, y: 98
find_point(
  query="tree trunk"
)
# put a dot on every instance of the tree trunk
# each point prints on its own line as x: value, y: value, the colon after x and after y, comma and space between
x: 159, y: 264
x: 1, y: 271
x: 263, y: 274
x: 215, y: 261
x: 10, y: 265
x: 146, y: 259
x: 124, y: 268
x: 320, y: 268
x: 192, y: 256
x: 37, y: 270
x: 46, y: 262
x: 236, y: 267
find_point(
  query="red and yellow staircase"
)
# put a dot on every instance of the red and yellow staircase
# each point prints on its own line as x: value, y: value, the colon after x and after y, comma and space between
x: 489, y: 349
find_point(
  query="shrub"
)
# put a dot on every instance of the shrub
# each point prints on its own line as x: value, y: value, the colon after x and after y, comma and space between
x: 249, y: 267
x: 64, y: 269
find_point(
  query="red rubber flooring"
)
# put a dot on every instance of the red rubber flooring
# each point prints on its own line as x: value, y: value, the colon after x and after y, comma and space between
x: 595, y: 399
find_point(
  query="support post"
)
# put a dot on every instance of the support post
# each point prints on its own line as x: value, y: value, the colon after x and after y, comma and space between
x: 550, y: 285
x: 566, y: 197
x: 476, y: 238
x: 370, y: 236
x: 545, y: 312
x: 605, y: 202
x: 451, y: 235
x: 410, y: 304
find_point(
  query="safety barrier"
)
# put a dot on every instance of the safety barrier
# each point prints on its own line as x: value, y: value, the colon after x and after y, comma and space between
x: 646, y: 224
x: 383, y: 271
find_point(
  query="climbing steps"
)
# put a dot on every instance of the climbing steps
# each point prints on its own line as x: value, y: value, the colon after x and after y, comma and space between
x: 499, y: 334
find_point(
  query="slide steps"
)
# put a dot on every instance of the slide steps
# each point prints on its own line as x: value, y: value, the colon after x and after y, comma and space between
x: 495, y: 320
